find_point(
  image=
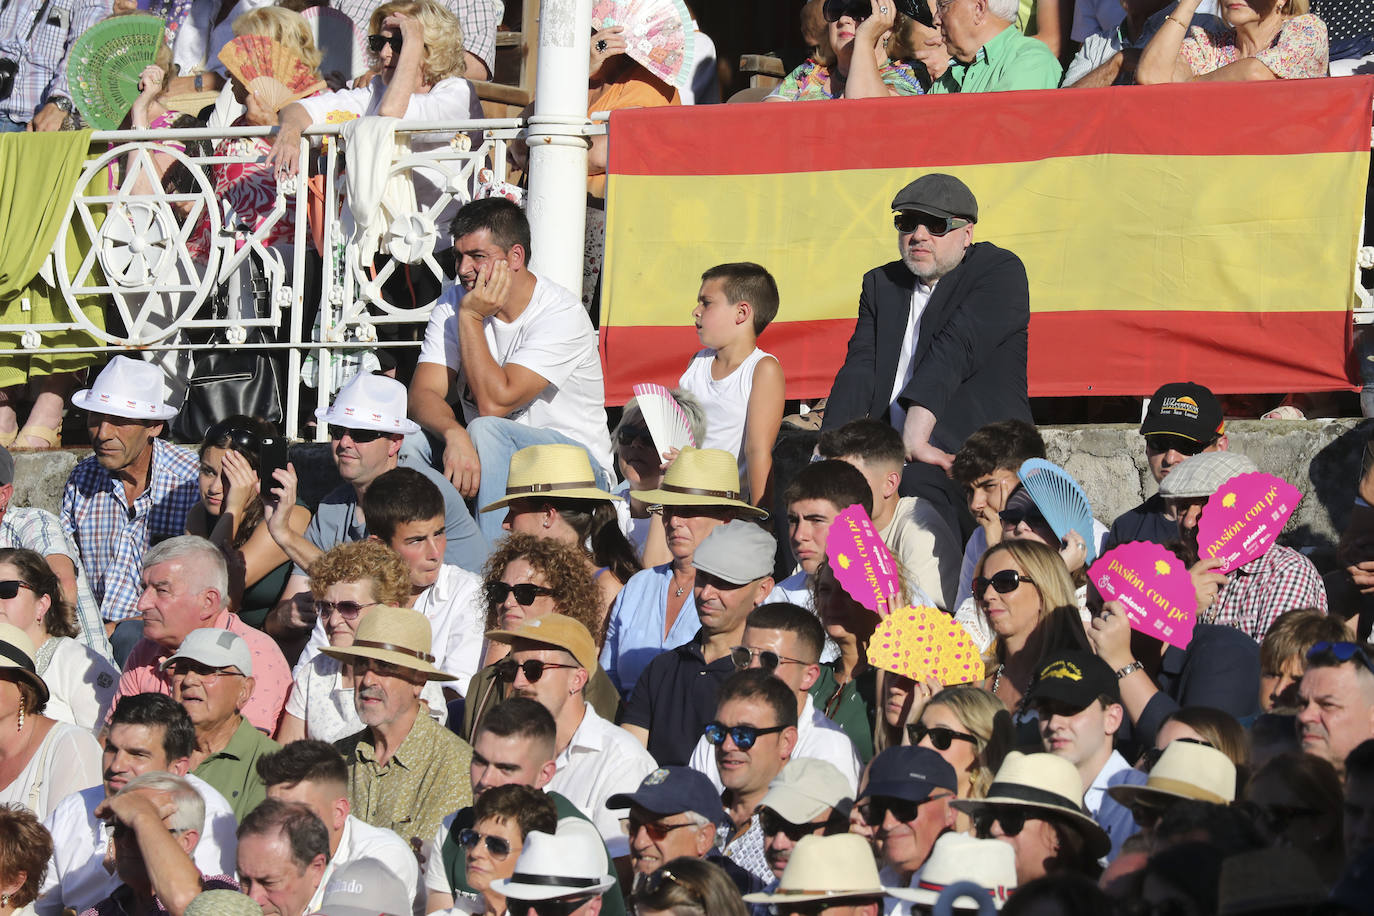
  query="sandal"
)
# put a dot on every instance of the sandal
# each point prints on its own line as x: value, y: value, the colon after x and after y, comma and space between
x: 48, y: 434
x: 7, y: 439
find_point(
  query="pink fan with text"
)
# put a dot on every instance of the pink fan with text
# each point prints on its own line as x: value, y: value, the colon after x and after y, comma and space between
x: 1243, y: 518
x: 1153, y: 586
x: 922, y: 642
x: 862, y: 564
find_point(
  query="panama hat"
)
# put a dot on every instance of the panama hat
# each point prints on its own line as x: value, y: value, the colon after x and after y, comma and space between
x: 557, y: 471
x: 556, y: 630
x: 1041, y: 782
x: 122, y: 390
x: 369, y: 401
x: 396, y: 635
x: 824, y: 868
x: 568, y: 863
x: 222, y: 903
x: 1186, y: 770
x: 700, y: 477
x: 957, y: 857
x: 17, y: 659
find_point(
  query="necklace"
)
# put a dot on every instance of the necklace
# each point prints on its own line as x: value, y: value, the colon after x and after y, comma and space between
x: 997, y: 679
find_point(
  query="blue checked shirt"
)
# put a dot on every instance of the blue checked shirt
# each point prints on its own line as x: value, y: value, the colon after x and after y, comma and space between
x: 42, y: 59
x: 112, y: 536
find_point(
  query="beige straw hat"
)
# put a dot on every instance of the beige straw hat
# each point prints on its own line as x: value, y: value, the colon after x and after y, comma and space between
x: 1041, y: 782
x: 396, y: 635
x: 824, y: 868
x: 17, y: 659
x: 700, y: 477
x: 558, y: 471
x: 1186, y: 770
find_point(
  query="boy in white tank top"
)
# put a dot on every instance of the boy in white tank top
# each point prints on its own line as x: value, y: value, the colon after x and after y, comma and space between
x: 739, y: 385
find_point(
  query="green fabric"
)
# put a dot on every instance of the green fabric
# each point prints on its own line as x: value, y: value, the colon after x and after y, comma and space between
x: 850, y: 707
x: 260, y: 597
x: 233, y: 772
x: 455, y: 858
x: 1009, y: 61
x: 38, y: 176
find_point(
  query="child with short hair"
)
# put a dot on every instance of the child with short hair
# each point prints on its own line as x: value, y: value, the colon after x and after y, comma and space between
x: 740, y: 385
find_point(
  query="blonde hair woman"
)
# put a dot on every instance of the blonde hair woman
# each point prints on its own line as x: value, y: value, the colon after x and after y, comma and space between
x: 1261, y: 40
x: 972, y: 730
x: 285, y: 27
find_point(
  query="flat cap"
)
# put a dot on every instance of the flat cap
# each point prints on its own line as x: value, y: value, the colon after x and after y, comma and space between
x: 939, y: 195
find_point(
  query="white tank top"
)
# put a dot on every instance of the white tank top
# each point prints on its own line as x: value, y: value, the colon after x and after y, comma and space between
x: 726, y: 402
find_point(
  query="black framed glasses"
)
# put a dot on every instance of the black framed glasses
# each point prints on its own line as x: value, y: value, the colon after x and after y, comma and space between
x: 534, y: 669
x: 348, y: 610
x: 744, y: 736
x: 941, y: 737
x: 524, y: 592
x: 910, y: 220
x: 499, y: 847
x: 10, y: 587
x: 655, y: 830
x: 1341, y: 652
x: 769, y: 660
x: 875, y: 810
x: 375, y: 43
x: 360, y: 436
x: 559, y: 906
x: 773, y: 823
x: 1004, y: 582
x: 1012, y: 820
x: 1159, y: 443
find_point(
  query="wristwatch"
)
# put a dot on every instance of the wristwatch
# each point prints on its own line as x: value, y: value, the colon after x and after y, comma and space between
x: 61, y: 102
x: 1130, y: 669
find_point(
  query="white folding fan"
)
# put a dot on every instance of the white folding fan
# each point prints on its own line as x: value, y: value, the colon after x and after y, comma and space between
x: 667, y: 421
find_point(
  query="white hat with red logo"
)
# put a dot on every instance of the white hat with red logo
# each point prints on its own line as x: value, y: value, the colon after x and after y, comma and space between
x: 129, y: 388
x: 370, y: 401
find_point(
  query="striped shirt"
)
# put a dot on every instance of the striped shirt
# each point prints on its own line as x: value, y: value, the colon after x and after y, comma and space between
x: 38, y: 36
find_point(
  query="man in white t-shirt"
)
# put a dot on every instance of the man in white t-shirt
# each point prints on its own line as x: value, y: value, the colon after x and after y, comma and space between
x: 518, y: 352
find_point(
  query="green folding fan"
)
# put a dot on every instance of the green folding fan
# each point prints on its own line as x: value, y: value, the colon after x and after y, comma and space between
x: 105, y: 65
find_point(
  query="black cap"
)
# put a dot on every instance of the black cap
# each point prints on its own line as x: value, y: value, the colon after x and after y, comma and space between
x: 938, y: 195
x: 911, y: 773
x: 1184, y: 409
x: 673, y: 790
x: 1074, y: 678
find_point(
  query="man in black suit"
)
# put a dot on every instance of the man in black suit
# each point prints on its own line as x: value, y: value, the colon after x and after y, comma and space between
x: 940, y: 345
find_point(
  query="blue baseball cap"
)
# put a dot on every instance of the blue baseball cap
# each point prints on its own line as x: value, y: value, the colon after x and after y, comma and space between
x: 673, y: 790
x: 910, y: 773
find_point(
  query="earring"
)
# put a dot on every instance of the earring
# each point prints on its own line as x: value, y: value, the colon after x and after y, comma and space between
x: 21, y: 714
x: 4, y: 899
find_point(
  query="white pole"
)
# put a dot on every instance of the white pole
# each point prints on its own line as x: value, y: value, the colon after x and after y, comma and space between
x: 557, y: 203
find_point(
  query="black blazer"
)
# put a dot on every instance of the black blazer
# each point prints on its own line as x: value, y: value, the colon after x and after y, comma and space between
x: 970, y: 360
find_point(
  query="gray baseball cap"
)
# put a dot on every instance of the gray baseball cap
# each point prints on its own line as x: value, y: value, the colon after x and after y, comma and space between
x: 939, y: 195
x: 1200, y: 476
x: 216, y: 648
x: 738, y: 552
x: 365, y: 887
x: 805, y: 788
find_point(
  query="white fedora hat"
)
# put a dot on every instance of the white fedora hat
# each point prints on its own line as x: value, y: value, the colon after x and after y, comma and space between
x: 569, y: 863
x: 124, y: 388
x: 370, y: 401
x: 825, y: 868
x: 956, y: 857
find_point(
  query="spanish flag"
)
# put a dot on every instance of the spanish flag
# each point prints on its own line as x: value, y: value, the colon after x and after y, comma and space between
x: 1202, y: 231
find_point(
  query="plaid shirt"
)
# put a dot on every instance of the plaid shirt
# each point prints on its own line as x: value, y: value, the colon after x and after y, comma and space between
x: 1264, y: 588
x: 479, y: 19
x: 112, y: 535
x: 40, y: 531
x: 42, y: 58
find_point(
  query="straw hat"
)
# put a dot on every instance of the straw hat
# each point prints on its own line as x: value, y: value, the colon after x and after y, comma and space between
x: 1041, y: 782
x: 556, y: 630
x: 956, y: 857
x: 396, y: 635
x: 568, y: 863
x: 369, y: 401
x: 1186, y: 770
x: 222, y: 903
x: 700, y: 477
x: 122, y: 390
x: 558, y: 471
x: 17, y: 659
x: 824, y: 868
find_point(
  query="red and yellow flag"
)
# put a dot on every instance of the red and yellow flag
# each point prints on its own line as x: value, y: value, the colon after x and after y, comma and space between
x: 1203, y: 232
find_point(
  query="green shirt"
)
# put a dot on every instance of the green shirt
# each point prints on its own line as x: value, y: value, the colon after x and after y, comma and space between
x: 234, y: 771
x: 1008, y: 61
x: 850, y: 707
x: 428, y: 777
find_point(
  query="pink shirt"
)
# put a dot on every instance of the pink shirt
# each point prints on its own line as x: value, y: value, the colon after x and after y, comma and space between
x: 272, y: 676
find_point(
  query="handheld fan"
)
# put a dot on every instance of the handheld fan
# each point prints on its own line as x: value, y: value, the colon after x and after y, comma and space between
x: 342, y: 43
x: 105, y: 64
x: 659, y: 34
x: 924, y: 642
x: 667, y: 421
x: 1060, y: 499
x: 270, y: 70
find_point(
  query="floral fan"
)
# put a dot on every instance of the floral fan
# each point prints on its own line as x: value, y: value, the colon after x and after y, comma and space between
x: 659, y: 34
x: 105, y: 65
x: 275, y: 73
x: 667, y: 421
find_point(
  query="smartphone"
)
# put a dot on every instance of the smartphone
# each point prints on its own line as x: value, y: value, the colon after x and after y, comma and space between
x: 271, y: 455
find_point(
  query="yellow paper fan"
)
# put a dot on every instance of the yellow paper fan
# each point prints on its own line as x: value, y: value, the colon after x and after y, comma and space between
x: 270, y: 70
x: 923, y: 642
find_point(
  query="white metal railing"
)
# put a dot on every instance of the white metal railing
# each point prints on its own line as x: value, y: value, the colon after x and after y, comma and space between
x: 143, y: 289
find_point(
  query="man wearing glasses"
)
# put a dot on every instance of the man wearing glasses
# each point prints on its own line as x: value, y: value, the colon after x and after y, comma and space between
x: 906, y: 805
x: 989, y: 52
x: 807, y: 798
x: 939, y: 349
x: 1336, y: 708
x: 1183, y: 419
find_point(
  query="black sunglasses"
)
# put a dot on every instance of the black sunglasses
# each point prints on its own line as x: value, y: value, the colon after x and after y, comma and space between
x: 1147, y: 816
x: 1012, y: 821
x: 769, y: 660
x: 858, y: 10
x: 650, y: 884
x: 876, y: 808
x: 1152, y: 754
x: 497, y: 846
x: 525, y: 592
x: 348, y: 610
x: 559, y: 906
x: 534, y: 669
x: 1014, y: 517
x: 909, y: 220
x: 239, y: 439
x: 10, y: 587
x: 940, y: 736
x: 375, y: 43
x: 1160, y: 443
x: 629, y: 435
x: 1341, y: 651
x: 744, y: 736
x: 1004, y: 582
x: 360, y: 436
x: 773, y: 823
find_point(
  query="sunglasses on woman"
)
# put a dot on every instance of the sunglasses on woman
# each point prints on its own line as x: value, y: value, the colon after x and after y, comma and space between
x: 744, y: 736
x: 240, y: 439
x: 10, y: 587
x: 629, y: 435
x: 769, y: 660
x: 348, y: 610
x: 533, y: 668
x: 497, y: 846
x: 1014, y: 517
x: 525, y: 592
x: 909, y: 220
x: 940, y: 736
x: 1012, y: 821
x: 375, y: 43
x: 858, y: 10
x: 1004, y: 582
